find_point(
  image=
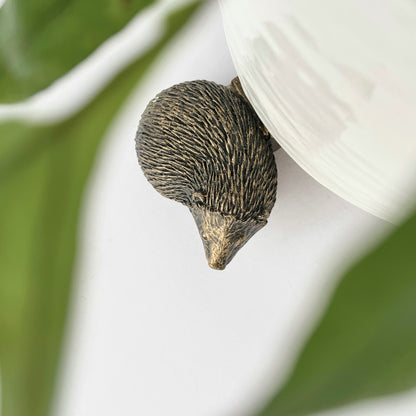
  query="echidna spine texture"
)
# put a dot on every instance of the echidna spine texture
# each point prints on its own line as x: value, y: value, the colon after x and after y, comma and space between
x: 199, y: 137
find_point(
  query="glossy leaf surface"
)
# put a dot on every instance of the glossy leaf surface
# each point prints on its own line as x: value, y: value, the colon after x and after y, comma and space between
x: 41, y: 40
x: 365, y: 344
x: 43, y: 172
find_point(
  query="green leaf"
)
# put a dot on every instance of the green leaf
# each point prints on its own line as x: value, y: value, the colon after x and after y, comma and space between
x: 41, y: 40
x: 365, y: 344
x: 43, y: 171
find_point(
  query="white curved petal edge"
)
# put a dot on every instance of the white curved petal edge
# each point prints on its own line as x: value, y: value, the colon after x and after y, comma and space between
x: 334, y: 81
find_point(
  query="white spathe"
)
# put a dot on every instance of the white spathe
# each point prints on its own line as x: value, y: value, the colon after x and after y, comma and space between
x: 334, y: 81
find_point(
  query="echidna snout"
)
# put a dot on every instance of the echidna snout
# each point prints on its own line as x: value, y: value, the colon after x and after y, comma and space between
x: 223, y: 235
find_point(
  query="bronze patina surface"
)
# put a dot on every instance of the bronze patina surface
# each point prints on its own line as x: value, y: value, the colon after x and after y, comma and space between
x: 202, y: 144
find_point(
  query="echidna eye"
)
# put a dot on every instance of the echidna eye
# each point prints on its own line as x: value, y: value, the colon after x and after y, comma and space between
x: 198, y: 199
x: 204, y: 236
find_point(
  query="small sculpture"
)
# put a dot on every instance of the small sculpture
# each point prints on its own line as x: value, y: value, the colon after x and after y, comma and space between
x: 202, y: 144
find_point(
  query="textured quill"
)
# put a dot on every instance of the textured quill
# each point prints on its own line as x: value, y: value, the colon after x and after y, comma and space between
x: 202, y: 144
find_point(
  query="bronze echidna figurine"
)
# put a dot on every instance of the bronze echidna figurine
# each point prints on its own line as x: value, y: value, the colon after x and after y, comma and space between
x: 203, y: 145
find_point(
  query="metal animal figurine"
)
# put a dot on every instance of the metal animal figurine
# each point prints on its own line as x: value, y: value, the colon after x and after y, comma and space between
x: 202, y: 144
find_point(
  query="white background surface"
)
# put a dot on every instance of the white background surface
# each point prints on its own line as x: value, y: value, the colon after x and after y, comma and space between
x: 153, y: 330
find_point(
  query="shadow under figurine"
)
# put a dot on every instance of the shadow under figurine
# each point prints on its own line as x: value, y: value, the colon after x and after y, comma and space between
x: 202, y: 144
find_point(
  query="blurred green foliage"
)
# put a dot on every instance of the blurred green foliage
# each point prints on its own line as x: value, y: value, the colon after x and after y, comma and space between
x: 43, y: 172
x: 365, y: 343
x: 40, y: 40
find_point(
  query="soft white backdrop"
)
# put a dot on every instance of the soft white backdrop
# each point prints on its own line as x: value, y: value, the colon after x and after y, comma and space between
x: 153, y: 331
